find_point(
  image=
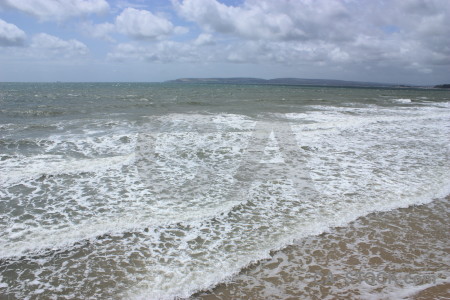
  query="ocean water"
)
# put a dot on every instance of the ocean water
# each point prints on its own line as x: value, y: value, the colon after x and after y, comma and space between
x: 156, y: 191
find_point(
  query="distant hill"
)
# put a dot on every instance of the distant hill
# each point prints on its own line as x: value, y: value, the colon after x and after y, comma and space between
x: 442, y: 86
x: 282, y: 81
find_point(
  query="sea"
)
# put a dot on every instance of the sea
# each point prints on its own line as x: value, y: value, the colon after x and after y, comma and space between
x: 221, y: 191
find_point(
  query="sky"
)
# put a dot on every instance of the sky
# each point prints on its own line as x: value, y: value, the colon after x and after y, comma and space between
x: 388, y: 41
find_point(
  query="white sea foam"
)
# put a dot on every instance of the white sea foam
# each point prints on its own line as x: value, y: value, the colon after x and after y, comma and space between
x: 25, y: 168
x: 402, y: 100
x: 357, y: 170
x: 360, y: 160
x: 396, y: 292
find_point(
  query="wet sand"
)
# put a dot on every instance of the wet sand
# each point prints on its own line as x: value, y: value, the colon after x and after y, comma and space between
x: 400, y: 254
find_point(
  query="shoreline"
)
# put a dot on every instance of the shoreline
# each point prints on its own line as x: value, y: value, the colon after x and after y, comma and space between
x: 405, y: 248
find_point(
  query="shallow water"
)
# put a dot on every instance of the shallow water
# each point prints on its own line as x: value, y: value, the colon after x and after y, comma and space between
x: 400, y: 254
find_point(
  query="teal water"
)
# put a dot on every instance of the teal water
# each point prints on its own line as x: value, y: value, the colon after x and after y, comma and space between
x: 129, y: 189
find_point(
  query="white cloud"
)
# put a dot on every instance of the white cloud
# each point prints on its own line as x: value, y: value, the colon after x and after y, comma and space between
x: 102, y: 31
x: 59, y: 10
x: 204, y: 39
x: 143, y: 24
x: 11, y: 35
x: 122, y: 4
x: 48, y: 45
x: 163, y: 52
x: 288, y: 53
x: 135, y: 23
x: 263, y: 19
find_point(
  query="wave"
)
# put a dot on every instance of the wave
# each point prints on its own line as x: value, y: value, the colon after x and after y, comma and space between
x: 402, y: 100
x: 30, y: 168
x: 373, y: 160
x: 33, y: 113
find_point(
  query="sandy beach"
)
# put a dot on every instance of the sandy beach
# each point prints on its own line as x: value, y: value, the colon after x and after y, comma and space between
x: 400, y: 254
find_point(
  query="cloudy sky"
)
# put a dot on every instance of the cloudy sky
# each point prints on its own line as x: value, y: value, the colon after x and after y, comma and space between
x: 394, y: 41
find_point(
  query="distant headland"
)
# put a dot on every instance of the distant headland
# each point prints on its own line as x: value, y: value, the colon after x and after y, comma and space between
x: 295, y: 82
x: 442, y: 86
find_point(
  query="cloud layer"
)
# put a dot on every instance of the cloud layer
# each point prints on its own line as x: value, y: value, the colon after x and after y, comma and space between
x: 267, y: 20
x: 387, y: 35
x: 412, y: 33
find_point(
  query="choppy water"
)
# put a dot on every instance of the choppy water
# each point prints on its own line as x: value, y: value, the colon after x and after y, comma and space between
x: 151, y: 190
